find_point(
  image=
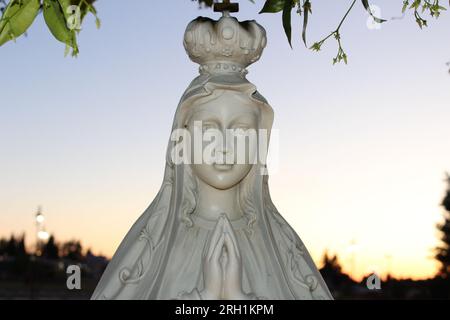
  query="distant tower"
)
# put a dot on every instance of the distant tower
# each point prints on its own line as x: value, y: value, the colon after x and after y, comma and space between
x: 41, y: 234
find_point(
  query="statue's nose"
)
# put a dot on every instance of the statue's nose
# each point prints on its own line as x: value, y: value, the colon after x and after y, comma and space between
x: 223, y: 151
x: 225, y: 148
x: 224, y: 154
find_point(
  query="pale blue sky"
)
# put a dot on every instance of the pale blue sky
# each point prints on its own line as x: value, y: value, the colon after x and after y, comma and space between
x: 363, y: 152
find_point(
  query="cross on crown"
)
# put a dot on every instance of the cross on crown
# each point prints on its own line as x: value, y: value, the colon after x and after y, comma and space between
x: 226, y: 6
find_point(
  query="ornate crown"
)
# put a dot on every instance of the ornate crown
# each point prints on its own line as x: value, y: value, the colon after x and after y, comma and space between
x: 224, y: 46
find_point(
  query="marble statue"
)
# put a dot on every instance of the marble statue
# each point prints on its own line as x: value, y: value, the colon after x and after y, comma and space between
x: 212, y: 232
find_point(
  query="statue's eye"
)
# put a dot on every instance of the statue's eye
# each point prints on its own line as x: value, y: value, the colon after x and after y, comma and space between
x: 241, y: 129
x: 208, y: 126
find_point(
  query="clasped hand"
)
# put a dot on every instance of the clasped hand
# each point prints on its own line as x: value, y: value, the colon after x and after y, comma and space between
x: 222, y: 264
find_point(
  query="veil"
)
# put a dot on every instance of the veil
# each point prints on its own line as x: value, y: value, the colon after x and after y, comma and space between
x: 138, y: 268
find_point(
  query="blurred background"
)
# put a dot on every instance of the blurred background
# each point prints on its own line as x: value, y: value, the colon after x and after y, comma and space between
x: 363, y: 148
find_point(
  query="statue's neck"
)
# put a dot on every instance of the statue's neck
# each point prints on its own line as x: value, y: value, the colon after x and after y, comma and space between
x: 213, y: 202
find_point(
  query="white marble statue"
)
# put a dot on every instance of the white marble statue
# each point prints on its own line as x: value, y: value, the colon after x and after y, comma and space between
x: 212, y: 232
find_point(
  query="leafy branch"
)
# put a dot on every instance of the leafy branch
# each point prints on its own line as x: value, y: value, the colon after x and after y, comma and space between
x: 304, y: 7
x: 62, y: 17
x: 341, y: 55
x: 65, y: 23
x: 434, y: 9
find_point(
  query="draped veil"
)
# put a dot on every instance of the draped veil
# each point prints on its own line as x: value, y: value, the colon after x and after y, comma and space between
x: 138, y: 269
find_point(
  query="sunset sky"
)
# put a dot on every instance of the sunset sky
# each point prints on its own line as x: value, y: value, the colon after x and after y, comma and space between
x: 363, y: 152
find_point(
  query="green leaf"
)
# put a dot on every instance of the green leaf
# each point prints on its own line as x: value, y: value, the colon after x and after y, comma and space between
x: 91, y: 9
x: 367, y: 7
x: 272, y: 6
x: 405, y: 5
x: 316, y: 46
x: 87, y: 6
x: 74, y: 18
x: 70, y: 15
x: 55, y: 19
x: 307, y: 10
x: 415, y: 5
x: 287, y: 19
x: 17, y: 18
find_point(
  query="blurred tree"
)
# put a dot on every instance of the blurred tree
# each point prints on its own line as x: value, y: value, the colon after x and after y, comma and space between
x: 339, y: 283
x: 446, y: 202
x: 11, y: 247
x: 3, y: 245
x: 443, y: 251
x: 72, y: 250
x: 21, y: 260
x: 21, y: 250
x: 331, y: 266
x: 50, y: 250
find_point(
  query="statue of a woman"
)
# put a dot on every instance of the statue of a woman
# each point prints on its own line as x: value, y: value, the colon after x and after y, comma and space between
x: 212, y: 232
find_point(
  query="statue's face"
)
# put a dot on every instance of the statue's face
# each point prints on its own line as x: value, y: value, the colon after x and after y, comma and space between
x: 228, y: 126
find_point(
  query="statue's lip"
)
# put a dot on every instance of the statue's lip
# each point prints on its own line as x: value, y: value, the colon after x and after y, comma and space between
x: 223, y: 167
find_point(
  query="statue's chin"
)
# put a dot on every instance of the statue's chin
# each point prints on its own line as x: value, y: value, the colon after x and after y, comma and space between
x: 222, y: 184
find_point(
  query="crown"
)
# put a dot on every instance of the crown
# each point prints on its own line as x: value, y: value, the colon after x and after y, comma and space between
x: 225, y: 45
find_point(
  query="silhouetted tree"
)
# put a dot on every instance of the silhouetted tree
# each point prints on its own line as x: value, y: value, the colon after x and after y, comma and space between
x: 11, y: 247
x: 21, y: 251
x: 14, y: 247
x: 443, y: 251
x: 3, y: 245
x: 73, y: 250
x: 331, y: 270
x: 51, y: 250
x: 339, y: 283
x: 446, y: 202
x: 21, y: 257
